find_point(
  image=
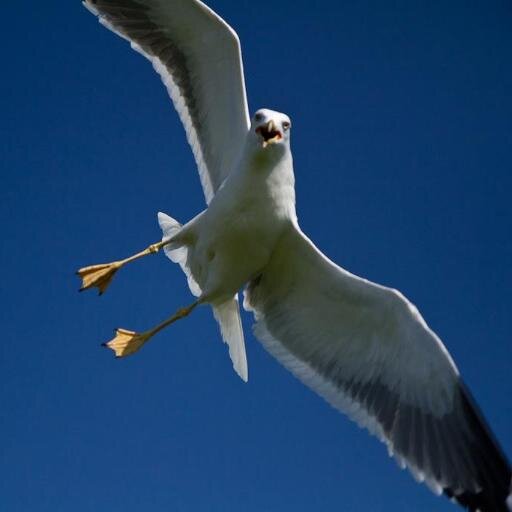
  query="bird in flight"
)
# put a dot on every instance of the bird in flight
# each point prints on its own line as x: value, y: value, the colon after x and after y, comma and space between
x: 362, y: 346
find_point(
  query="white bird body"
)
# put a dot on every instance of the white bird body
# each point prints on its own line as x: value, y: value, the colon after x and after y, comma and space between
x: 362, y: 346
x: 231, y: 241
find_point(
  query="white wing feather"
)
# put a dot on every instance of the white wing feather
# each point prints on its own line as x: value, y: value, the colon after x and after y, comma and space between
x: 198, y: 57
x: 369, y: 353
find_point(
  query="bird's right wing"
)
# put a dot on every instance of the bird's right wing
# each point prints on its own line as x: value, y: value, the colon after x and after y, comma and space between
x: 197, y: 54
x: 369, y: 353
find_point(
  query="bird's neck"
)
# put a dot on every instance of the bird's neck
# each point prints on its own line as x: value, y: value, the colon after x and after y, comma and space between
x: 269, y: 176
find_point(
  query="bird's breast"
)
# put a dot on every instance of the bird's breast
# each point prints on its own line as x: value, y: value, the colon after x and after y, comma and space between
x: 243, y: 223
x: 234, y: 244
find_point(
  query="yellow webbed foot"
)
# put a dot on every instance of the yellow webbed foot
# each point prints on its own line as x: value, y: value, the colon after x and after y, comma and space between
x: 98, y: 276
x: 127, y: 342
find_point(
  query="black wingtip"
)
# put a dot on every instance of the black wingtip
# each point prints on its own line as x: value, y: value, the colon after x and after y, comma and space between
x: 495, y: 472
x: 484, y: 501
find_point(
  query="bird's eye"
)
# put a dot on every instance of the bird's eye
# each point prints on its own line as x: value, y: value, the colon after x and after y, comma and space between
x: 286, y: 125
x: 258, y: 117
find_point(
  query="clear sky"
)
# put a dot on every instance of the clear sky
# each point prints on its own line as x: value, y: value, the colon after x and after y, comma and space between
x: 402, y: 136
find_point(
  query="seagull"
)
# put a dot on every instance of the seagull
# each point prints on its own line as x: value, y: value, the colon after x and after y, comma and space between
x: 363, y: 347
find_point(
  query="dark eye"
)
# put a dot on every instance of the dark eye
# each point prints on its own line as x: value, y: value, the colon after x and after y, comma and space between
x: 258, y: 117
x: 286, y: 125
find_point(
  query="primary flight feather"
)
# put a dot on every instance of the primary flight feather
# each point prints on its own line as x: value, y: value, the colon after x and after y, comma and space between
x: 363, y: 347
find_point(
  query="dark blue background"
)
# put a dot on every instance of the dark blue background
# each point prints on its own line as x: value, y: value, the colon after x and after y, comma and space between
x: 402, y: 137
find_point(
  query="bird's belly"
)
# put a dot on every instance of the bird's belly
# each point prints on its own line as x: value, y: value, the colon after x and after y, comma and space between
x: 233, y: 253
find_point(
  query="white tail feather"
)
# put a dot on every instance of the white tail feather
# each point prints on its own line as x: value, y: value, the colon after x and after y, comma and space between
x: 228, y: 316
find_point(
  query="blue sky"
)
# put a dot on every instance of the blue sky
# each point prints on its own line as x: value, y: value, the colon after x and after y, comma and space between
x: 402, y: 132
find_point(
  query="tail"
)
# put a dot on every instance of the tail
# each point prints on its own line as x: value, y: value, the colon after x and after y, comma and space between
x: 177, y: 254
x: 228, y: 316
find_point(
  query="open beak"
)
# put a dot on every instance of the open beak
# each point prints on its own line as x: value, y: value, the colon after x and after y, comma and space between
x: 269, y: 133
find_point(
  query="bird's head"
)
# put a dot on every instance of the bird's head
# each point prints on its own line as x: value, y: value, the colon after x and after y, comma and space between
x: 270, y: 129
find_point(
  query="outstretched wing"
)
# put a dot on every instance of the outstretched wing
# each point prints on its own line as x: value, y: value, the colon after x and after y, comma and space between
x: 369, y: 353
x: 197, y: 55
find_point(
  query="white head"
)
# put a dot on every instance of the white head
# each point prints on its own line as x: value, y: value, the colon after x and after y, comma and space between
x: 270, y: 130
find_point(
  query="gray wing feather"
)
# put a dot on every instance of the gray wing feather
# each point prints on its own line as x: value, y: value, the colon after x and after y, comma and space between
x: 199, y: 60
x: 370, y: 354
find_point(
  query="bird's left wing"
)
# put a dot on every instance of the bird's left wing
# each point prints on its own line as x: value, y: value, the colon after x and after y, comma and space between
x: 197, y: 54
x: 369, y: 353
